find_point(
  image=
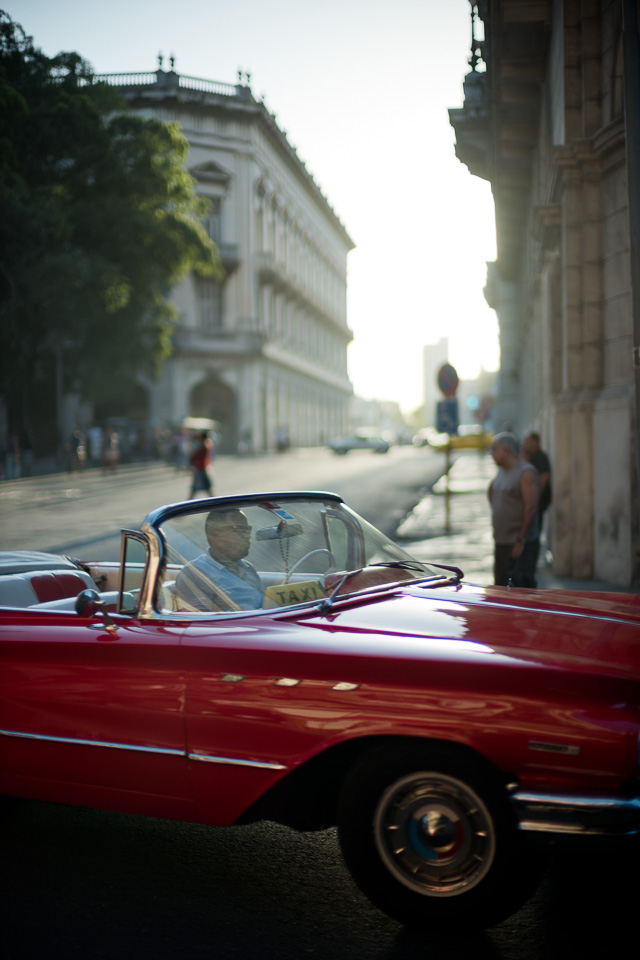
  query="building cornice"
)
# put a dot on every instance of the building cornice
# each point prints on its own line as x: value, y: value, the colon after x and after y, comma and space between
x: 173, y: 89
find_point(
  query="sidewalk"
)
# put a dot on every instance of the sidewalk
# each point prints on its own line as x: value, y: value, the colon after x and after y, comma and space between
x: 467, y: 540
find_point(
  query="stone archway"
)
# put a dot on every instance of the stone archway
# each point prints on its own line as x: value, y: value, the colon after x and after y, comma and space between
x: 213, y: 399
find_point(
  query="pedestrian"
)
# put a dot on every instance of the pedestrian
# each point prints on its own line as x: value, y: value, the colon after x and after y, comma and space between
x: 26, y: 451
x: 533, y: 454
x: 76, y: 451
x: 12, y: 456
x: 110, y: 451
x: 200, y: 459
x: 95, y: 438
x: 514, y: 495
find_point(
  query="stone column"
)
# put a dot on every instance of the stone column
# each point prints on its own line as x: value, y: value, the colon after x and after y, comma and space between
x: 505, y: 299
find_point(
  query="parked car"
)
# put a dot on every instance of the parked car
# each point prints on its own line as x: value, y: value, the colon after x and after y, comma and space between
x: 427, y: 435
x: 333, y: 679
x: 470, y: 436
x: 361, y: 440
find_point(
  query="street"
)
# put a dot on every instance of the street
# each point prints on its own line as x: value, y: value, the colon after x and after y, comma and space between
x: 80, y: 884
x: 82, y: 513
x: 83, y: 883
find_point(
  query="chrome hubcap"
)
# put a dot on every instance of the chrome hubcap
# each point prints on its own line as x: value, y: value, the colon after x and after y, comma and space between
x: 435, y: 834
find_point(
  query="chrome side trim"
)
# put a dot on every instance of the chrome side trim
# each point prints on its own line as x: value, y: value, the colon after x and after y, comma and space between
x: 259, y: 764
x: 564, y: 748
x: 165, y: 751
x: 77, y: 742
x: 631, y: 619
x: 595, y: 815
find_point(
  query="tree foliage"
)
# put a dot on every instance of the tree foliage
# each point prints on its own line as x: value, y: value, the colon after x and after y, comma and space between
x: 99, y: 220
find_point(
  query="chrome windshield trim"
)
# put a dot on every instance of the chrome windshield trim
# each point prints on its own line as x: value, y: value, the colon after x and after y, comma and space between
x: 78, y: 742
x: 232, y: 761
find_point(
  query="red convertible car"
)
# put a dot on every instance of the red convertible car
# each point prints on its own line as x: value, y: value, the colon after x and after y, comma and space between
x: 276, y: 657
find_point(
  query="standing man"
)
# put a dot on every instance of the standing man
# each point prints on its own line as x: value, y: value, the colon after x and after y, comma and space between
x: 532, y: 452
x: 514, y: 495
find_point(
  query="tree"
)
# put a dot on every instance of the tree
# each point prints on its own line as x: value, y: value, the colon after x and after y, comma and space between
x: 99, y: 220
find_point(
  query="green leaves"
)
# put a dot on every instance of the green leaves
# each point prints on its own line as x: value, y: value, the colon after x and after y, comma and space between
x: 100, y: 219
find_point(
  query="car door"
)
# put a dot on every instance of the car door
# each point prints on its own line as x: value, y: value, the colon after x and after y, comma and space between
x: 89, y: 716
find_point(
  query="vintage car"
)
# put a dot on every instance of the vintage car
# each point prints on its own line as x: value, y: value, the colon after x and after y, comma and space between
x: 470, y: 436
x: 363, y: 439
x: 276, y: 657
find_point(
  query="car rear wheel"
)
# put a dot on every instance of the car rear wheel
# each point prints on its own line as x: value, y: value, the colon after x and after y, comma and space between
x: 428, y: 836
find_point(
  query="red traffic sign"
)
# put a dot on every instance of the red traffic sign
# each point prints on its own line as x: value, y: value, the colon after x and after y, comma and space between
x: 448, y: 380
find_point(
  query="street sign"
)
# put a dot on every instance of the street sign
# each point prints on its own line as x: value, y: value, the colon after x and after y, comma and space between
x: 447, y: 419
x: 448, y: 380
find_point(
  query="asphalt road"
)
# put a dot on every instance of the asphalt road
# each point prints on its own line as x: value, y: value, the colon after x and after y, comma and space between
x: 80, y: 884
x: 82, y: 513
x: 88, y: 884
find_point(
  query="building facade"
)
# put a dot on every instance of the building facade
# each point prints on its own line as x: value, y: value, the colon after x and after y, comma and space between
x: 545, y: 124
x: 264, y: 352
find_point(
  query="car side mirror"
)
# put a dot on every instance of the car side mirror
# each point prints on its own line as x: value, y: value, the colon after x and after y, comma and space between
x: 88, y: 604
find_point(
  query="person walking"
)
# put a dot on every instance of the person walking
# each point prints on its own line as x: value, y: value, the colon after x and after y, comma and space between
x: 514, y: 496
x: 200, y: 459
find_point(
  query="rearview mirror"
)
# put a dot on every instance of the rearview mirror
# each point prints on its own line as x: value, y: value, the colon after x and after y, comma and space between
x: 280, y: 531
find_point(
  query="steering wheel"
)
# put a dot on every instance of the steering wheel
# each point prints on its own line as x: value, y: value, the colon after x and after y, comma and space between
x: 314, y: 553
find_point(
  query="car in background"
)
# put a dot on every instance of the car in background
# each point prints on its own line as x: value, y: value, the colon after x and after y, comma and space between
x: 425, y: 437
x: 470, y: 436
x: 451, y: 732
x: 363, y: 439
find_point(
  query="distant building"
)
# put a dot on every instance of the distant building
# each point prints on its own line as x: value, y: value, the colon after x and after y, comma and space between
x: 385, y: 416
x: 545, y: 124
x: 265, y: 350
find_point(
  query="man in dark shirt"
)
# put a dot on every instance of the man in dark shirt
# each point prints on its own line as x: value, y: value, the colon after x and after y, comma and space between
x: 538, y: 458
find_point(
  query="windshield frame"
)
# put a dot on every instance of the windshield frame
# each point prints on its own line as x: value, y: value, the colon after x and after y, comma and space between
x: 158, y: 552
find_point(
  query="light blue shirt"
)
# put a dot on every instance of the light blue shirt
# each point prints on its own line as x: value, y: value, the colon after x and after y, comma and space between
x: 205, y: 584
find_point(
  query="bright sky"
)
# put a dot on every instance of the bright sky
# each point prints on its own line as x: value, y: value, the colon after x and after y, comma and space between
x: 362, y: 88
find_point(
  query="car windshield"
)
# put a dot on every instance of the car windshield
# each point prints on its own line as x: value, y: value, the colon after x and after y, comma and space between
x: 256, y: 554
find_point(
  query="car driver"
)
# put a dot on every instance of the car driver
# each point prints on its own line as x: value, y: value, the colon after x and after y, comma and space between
x: 221, y: 579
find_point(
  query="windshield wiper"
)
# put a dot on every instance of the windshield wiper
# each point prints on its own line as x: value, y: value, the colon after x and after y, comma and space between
x: 416, y: 564
x: 325, y: 605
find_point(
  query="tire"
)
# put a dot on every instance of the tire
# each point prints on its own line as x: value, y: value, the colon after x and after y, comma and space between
x: 428, y: 836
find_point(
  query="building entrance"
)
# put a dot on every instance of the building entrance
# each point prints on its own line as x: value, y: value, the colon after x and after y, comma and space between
x: 216, y: 401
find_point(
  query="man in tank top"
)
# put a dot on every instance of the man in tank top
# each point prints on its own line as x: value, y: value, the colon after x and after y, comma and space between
x: 514, y: 494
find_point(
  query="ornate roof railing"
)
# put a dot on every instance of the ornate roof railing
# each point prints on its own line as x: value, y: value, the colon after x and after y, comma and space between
x: 167, y: 79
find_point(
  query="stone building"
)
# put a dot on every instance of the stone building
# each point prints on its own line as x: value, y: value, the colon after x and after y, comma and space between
x: 545, y: 124
x: 265, y: 350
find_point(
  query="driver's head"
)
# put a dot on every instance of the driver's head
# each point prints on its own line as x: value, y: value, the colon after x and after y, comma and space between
x: 228, y: 534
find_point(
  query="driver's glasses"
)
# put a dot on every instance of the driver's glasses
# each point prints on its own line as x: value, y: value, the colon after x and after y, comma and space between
x: 240, y: 528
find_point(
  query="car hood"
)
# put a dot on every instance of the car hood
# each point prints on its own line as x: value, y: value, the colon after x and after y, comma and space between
x: 583, y: 632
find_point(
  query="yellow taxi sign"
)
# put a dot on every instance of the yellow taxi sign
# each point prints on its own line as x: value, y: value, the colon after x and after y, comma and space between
x: 299, y: 592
